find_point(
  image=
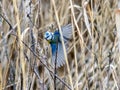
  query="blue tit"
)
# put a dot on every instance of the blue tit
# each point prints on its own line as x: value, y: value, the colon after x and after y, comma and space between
x: 54, y: 39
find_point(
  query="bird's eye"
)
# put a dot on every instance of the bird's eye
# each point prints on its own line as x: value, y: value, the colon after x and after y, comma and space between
x: 47, y: 33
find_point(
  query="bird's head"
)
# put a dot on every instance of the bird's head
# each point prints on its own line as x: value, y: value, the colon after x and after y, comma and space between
x: 48, y: 36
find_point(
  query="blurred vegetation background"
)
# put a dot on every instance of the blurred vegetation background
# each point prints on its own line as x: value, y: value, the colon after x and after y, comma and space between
x: 94, y: 55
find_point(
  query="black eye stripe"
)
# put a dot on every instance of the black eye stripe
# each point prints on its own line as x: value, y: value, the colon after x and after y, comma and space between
x: 47, y: 37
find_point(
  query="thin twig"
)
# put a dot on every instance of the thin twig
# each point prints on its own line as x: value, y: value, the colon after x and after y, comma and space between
x: 55, y: 71
x: 6, y: 21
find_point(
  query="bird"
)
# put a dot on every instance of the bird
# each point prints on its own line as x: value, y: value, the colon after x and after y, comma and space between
x: 54, y: 39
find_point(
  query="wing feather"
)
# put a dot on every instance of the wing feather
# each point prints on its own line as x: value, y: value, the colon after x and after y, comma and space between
x: 60, y: 56
x: 67, y: 31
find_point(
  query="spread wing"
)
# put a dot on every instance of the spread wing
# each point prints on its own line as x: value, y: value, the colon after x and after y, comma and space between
x: 60, y: 55
x: 67, y: 31
x: 67, y: 34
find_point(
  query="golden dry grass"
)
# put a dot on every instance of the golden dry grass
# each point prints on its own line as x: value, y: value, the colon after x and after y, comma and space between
x: 93, y: 61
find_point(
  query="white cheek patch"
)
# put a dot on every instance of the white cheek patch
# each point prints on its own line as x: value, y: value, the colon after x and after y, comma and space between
x: 48, y: 35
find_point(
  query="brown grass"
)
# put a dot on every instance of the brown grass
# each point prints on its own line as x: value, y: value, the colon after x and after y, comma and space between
x: 25, y: 56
